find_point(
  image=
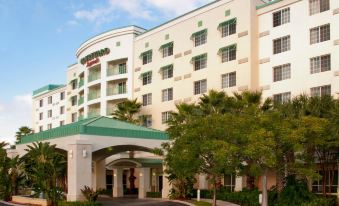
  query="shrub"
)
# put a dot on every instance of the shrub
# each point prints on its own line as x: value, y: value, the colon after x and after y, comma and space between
x: 153, y: 194
x: 64, y: 203
x: 91, y: 195
x: 244, y: 198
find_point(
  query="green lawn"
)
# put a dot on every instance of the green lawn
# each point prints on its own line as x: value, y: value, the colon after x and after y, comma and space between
x: 200, y: 203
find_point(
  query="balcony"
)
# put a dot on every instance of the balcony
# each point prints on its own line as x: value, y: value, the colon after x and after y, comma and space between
x: 81, y: 83
x: 94, y: 95
x: 116, y: 89
x: 81, y: 100
x: 94, y: 76
x: 93, y: 114
x: 117, y: 69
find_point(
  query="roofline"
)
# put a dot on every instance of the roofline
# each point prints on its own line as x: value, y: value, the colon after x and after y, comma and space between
x: 61, y: 86
x: 267, y: 4
x: 73, y: 64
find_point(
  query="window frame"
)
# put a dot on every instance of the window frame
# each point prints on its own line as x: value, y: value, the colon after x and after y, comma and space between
x: 281, y: 98
x: 279, y: 42
x: 227, y: 82
x: 281, y: 17
x: 284, y: 68
x: 167, y: 94
x: 199, y: 88
x: 147, y: 99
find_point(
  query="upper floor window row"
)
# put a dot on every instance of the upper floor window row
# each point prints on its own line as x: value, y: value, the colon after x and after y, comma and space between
x: 320, y: 63
x: 200, y: 37
x: 282, y: 44
x: 318, y: 6
x: 167, y: 71
x: 146, y: 57
x: 146, y: 78
x: 228, y: 53
x: 228, y: 27
x: 167, y: 49
x: 320, y: 34
x: 281, y: 17
x: 281, y: 72
x: 199, y: 62
x: 321, y: 91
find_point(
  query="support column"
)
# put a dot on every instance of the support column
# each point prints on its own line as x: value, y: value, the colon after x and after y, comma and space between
x: 100, y: 175
x: 144, y: 182
x: 118, y: 190
x: 165, y: 184
x: 203, y: 183
x: 79, y: 167
x: 239, y: 183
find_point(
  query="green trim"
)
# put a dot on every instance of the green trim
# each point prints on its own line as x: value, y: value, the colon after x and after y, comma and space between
x: 146, y: 52
x: 73, y: 80
x: 166, y: 67
x: 47, y: 88
x: 267, y: 4
x: 101, y: 126
x: 144, y: 74
x: 230, y: 47
x: 228, y: 22
x: 201, y: 56
x: 169, y: 44
x: 204, y: 31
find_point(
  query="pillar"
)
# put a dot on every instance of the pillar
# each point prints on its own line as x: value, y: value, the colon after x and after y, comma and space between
x: 239, y: 183
x: 144, y: 182
x: 165, y: 184
x: 118, y: 188
x: 79, y: 167
x: 203, y: 183
x: 99, y: 175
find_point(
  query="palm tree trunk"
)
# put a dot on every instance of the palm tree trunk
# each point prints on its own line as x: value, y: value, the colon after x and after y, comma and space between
x: 264, y: 189
x: 214, y: 194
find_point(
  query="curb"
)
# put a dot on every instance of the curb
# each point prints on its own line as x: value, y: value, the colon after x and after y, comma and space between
x: 182, y: 202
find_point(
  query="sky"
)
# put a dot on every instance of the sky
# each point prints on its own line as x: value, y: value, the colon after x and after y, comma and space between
x: 38, y: 40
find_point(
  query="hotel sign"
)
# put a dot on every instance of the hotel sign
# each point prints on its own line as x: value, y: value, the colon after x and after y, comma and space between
x: 93, y: 58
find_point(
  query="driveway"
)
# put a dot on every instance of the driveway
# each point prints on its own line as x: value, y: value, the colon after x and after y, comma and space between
x: 136, y: 202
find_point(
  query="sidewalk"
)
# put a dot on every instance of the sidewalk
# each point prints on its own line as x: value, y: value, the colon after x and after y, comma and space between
x: 219, y: 202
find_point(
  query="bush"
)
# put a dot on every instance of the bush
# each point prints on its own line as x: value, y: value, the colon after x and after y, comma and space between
x: 244, y: 198
x: 90, y: 194
x: 64, y: 203
x: 153, y: 194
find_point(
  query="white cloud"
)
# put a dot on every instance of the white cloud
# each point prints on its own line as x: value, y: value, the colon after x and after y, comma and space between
x: 14, y: 114
x: 145, y: 10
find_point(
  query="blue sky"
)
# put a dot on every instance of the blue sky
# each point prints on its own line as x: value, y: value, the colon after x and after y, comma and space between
x: 38, y: 40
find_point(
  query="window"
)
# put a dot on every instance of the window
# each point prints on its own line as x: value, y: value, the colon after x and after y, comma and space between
x: 41, y: 128
x: 331, y: 182
x: 122, y: 68
x: 62, y: 110
x: 74, y: 84
x: 165, y: 116
x: 146, y: 57
x: 50, y: 100
x: 147, y: 99
x: 49, y: 114
x: 281, y: 44
x: 62, y: 95
x: 167, y: 49
x: 167, y: 72
x: 229, y: 182
x: 122, y: 89
x: 167, y: 94
x: 62, y: 123
x: 200, y: 38
x: 41, y: 103
x: 74, y: 100
x: 318, y: 6
x: 281, y: 17
x: 49, y: 126
x: 74, y: 117
x: 228, y: 53
x: 41, y: 116
x: 146, y: 78
x: 146, y: 120
x: 200, y: 86
x: 228, y: 80
x: 200, y: 62
x: 321, y: 91
x: 320, y: 34
x: 228, y: 27
x: 320, y: 63
x: 282, y: 97
x: 281, y: 72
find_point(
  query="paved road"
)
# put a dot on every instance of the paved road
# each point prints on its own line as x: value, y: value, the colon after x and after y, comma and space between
x: 136, y: 202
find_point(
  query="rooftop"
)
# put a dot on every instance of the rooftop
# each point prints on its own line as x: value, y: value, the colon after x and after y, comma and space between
x: 47, y: 88
x: 101, y: 126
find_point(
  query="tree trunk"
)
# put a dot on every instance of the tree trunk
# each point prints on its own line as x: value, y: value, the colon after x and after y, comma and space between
x: 214, y: 193
x: 264, y: 190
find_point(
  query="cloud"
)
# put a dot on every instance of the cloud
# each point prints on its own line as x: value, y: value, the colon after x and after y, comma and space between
x: 14, y: 114
x: 68, y: 24
x: 149, y: 10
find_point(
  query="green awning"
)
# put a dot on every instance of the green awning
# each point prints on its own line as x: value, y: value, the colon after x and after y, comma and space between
x: 228, y: 22
x: 202, y: 56
x: 144, y: 74
x: 166, y: 67
x: 170, y: 44
x: 199, y: 33
x: 146, y: 52
x: 230, y: 47
x: 73, y: 80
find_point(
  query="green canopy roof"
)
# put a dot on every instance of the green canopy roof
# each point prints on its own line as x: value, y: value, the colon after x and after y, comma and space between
x: 144, y: 74
x: 166, y: 67
x: 146, y: 52
x: 230, y: 47
x: 228, y: 22
x: 166, y: 45
x: 101, y: 126
x: 201, y: 56
x: 204, y: 31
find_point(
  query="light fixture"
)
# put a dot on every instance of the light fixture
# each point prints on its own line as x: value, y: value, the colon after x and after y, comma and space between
x: 71, y: 154
x: 140, y: 174
x: 84, y: 153
x: 114, y: 175
x: 154, y: 174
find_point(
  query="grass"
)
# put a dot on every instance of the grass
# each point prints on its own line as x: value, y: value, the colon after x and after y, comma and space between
x: 201, y: 203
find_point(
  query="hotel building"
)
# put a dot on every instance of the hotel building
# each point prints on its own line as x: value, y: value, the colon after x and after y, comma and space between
x: 281, y: 47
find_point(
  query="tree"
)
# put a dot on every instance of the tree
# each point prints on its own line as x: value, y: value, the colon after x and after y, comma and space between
x: 127, y: 110
x: 23, y: 131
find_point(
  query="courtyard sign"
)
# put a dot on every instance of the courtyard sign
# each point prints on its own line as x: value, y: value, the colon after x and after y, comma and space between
x: 94, y: 56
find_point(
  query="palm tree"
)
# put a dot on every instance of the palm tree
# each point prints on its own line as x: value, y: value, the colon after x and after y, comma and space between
x: 126, y: 111
x: 23, y: 131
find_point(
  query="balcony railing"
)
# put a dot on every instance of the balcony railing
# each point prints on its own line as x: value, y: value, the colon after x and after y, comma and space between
x: 81, y: 100
x: 93, y: 95
x: 93, y: 77
x: 81, y: 83
x: 116, y: 90
x: 116, y: 70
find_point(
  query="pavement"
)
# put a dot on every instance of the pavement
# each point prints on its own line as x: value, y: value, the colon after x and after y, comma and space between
x: 220, y: 203
x: 137, y: 202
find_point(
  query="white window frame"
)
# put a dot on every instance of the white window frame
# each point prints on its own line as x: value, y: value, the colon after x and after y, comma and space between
x: 165, y: 116
x: 200, y: 87
x: 318, y: 6
x: 321, y: 90
x: 320, y: 64
x: 320, y: 34
x: 229, y: 80
x: 147, y: 99
x: 200, y: 39
x: 281, y: 72
x: 281, y: 17
x: 282, y: 97
x: 167, y: 94
x: 284, y: 44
